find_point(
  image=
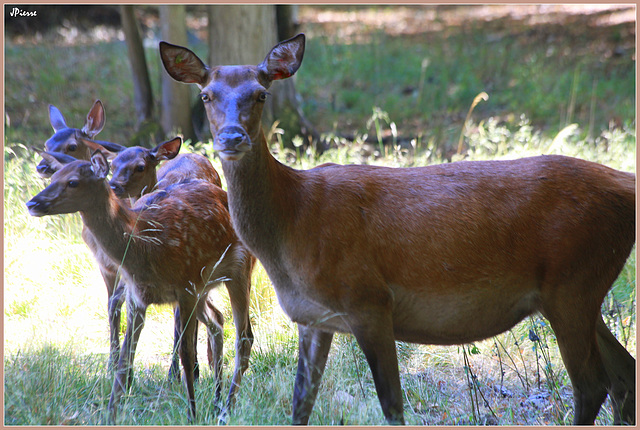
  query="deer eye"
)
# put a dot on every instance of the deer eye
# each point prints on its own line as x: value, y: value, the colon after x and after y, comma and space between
x: 140, y: 168
x: 205, y: 97
x: 72, y: 147
x: 262, y: 97
x: 73, y: 183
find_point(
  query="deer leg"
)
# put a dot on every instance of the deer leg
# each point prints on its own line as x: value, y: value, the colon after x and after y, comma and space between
x: 115, y: 298
x: 378, y: 344
x: 313, y: 351
x: 214, y: 320
x: 239, y: 289
x: 621, y: 368
x: 188, y: 322
x: 114, y: 310
x: 174, y: 369
x: 576, y: 336
x: 196, y: 365
x: 135, y: 322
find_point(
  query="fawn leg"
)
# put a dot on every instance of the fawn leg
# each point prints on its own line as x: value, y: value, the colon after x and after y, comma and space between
x: 187, y: 304
x: 135, y: 322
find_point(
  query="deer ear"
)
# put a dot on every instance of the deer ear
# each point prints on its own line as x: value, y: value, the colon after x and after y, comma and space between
x: 183, y: 65
x: 99, y: 165
x: 284, y: 59
x: 95, y: 146
x: 56, y: 119
x: 167, y: 150
x: 52, y: 161
x: 95, y: 120
x: 112, y: 147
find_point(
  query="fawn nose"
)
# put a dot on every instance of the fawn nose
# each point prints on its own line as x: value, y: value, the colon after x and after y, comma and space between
x: 117, y: 188
x: 37, y: 208
x: 44, y: 170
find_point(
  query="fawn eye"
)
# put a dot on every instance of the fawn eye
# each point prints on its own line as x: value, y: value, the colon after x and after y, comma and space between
x: 72, y: 147
x: 73, y: 183
x: 205, y: 97
x: 140, y: 168
x: 262, y: 97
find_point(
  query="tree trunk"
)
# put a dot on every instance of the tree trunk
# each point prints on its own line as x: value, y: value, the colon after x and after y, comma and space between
x: 142, y: 94
x: 287, y: 18
x: 176, y: 97
x: 241, y: 34
x: 244, y: 34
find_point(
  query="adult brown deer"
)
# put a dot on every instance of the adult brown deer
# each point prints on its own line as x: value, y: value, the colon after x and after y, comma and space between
x: 443, y: 254
x: 66, y: 140
x: 134, y: 174
x: 173, y: 245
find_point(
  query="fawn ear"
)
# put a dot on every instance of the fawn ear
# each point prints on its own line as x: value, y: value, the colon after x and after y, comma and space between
x: 56, y: 119
x: 182, y: 64
x: 95, y: 120
x: 284, y: 59
x: 112, y: 147
x: 95, y: 146
x: 99, y: 165
x: 52, y: 161
x: 167, y: 150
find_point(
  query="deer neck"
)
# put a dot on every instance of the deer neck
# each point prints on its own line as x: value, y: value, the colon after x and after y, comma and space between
x: 261, y: 193
x: 112, y: 225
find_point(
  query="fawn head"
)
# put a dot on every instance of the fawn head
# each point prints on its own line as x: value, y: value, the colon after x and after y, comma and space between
x: 234, y: 96
x: 72, y: 187
x: 65, y: 139
x: 134, y: 168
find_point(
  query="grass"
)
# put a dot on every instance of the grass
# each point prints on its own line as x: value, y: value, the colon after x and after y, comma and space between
x: 55, y: 318
x: 548, y: 100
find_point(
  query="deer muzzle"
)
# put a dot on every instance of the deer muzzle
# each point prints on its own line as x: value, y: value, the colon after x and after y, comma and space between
x: 44, y: 169
x: 232, y: 143
x: 118, y: 189
x: 38, y: 207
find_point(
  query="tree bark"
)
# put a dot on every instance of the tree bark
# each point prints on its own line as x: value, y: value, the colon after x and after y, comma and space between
x: 241, y: 34
x: 244, y: 34
x: 176, y: 97
x: 142, y: 94
x: 287, y: 18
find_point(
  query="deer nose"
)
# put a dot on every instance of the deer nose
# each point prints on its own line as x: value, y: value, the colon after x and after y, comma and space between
x: 44, y: 169
x: 232, y: 143
x: 37, y: 208
x: 117, y: 188
x: 230, y: 138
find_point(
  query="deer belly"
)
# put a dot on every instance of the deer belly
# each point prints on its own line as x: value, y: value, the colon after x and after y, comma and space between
x: 146, y: 294
x: 304, y: 311
x: 447, y: 313
x: 449, y: 318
